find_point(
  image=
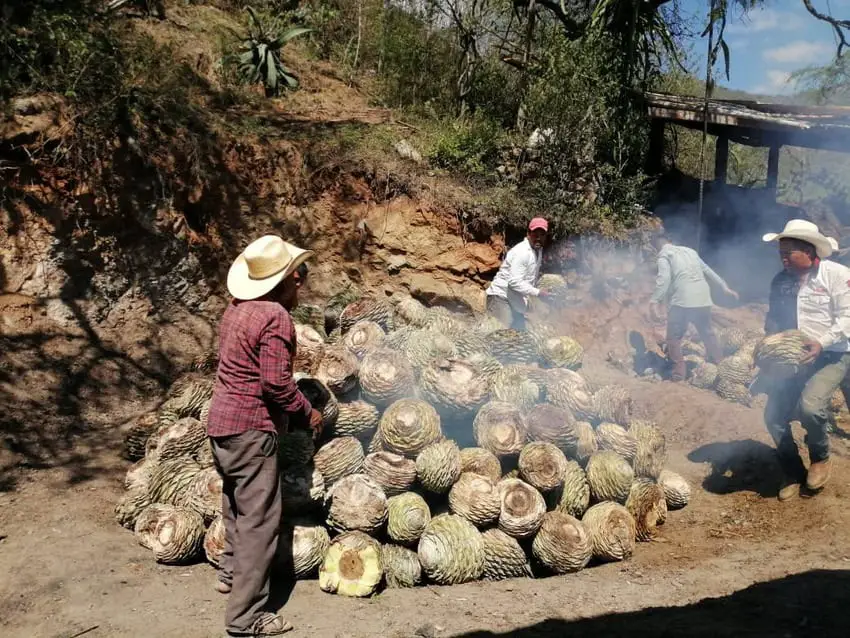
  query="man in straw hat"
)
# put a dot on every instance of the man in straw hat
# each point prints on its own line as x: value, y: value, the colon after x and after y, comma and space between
x: 255, y: 398
x: 508, y: 293
x: 811, y: 294
x: 682, y: 283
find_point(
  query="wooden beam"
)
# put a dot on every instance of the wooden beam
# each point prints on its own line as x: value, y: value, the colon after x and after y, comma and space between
x: 721, y: 161
x: 773, y: 169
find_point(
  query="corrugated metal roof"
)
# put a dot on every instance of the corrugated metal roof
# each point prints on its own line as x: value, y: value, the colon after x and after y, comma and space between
x: 758, y: 123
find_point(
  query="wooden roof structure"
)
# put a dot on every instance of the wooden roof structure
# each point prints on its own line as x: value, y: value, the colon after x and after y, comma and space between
x: 757, y: 123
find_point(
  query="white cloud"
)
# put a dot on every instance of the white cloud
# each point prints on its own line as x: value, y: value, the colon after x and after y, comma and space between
x: 764, y: 20
x: 776, y: 83
x: 800, y: 52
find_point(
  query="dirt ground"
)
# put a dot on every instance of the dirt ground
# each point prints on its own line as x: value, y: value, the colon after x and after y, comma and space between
x: 734, y: 562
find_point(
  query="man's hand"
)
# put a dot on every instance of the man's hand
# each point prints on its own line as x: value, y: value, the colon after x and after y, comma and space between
x: 812, y: 351
x: 733, y: 294
x: 316, y: 423
x: 544, y: 294
x: 653, y: 312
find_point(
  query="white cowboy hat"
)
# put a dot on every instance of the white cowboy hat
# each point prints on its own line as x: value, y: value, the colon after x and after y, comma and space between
x: 804, y: 231
x: 263, y: 265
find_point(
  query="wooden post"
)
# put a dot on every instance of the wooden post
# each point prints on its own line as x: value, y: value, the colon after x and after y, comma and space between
x: 655, y: 159
x: 721, y: 161
x: 773, y: 169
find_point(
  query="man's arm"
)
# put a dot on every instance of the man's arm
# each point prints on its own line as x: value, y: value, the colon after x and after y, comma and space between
x: 662, y: 282
x: 839, y: 290
x: 276, y: 381
x: 713, y: 277
x: 521, y: 269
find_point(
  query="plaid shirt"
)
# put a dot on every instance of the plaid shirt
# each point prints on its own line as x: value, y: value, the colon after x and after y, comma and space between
x: 254, y: 388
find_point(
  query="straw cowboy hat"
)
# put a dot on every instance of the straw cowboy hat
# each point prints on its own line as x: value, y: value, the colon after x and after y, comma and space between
x: 263, y: 265
x: 807, y: 232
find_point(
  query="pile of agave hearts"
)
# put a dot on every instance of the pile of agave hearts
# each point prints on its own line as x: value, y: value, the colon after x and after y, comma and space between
x: 453, y: 450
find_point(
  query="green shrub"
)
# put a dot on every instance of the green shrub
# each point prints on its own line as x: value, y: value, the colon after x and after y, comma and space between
x: 469, y: 144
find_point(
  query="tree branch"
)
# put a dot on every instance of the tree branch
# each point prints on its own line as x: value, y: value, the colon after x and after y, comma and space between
x: 837, y: 24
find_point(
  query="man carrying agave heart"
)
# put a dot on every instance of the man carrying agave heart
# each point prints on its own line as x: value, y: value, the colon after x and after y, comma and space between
x: 811, y: 294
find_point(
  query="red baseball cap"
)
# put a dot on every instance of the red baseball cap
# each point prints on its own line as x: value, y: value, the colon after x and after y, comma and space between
x: 538, y: 222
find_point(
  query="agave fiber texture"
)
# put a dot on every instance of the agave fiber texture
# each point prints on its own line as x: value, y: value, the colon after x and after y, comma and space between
x: 174, y: 534
x: 171, y: 480
x: 339, y: 458
x: 352, y: 566
x: 454, y: 387
x: 734, y: 392
x: 610, y: 476
x: 303, y: 546
x: 587, y: 445
x: 136, y: 438
x: 408, y: 426
x: 677, y: 491
x: 408, y: 516
x: 338, y: 369
x: 549, y: 423
x: 573, y: 497
x: 615, y: 438
x: 542, y: 465
x: 648, y: 506
x: 503, y: 556
x: 512, y: 385
x: 522, y: 509
x: 385, y: 377
x: 438, y: 466
x: 612, y: 531
x: 401, y: 566
x: 477, y: 460
x: 613, y: 403
x: 451, y: 550
x: 310, y: 349
x: 204, y: 494
x: 393, y: 472
x: 214, y: 541
x: 500, y: 428
x: 476, y: 498
x: 131, y: 504
x: 562, y: 544
x: 356, y: 503
x: 182, y: 438
x: 513, y: 346
x: 651, y: 454
x: 379, y: 311
x: 780, y: 353
x: 363, y: 337
x: 356, y: 418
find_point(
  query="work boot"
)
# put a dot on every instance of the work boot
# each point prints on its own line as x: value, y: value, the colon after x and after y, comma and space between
x: 789, y: 488
x: 818, y: 475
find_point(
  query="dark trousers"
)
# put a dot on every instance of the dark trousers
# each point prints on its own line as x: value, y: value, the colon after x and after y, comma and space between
x: 251, y: 509
x: 805, y: 396
x: 501, y: 309
x: 678, y: 319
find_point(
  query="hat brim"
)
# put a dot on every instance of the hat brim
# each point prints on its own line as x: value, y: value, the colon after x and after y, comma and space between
x: 243, y: 287
x: 820, y: 242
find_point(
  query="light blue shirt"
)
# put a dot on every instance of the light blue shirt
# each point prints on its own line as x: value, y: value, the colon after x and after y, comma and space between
x: 682, y: 278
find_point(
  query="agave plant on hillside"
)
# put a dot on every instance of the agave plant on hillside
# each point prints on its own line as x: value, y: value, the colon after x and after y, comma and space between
x: 258, y: 60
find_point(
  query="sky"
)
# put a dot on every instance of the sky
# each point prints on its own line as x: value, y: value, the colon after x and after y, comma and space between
x: 769, y: 43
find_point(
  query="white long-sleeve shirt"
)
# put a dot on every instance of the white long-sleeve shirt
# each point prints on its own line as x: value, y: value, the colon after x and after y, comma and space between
x: 517, y: 275
x: 683, y: 278
x: 822, y: 305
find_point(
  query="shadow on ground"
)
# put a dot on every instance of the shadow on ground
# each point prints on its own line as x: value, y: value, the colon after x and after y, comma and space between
x: 738, y: 466
x: 808, y: 604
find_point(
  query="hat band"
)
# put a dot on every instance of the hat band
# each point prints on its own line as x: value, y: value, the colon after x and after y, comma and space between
x: 254, y: 277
